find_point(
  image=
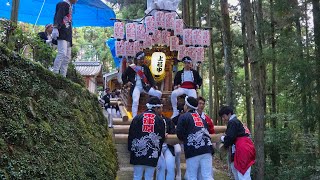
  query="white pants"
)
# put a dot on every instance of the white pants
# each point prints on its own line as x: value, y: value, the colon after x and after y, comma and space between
x: 63, y: 58
x: 136, y: 96
x: 238, y: 176
x: 178, y: 92
x: 138, y: 172
x: 165, y: 162
x: 204, y: 161
x: 177, y: 152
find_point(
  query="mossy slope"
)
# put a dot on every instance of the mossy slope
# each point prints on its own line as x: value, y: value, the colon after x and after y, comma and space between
x: 50, y: 127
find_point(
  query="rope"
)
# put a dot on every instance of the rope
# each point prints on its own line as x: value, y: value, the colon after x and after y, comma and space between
x: 44, y: 1
x: 34, y: 26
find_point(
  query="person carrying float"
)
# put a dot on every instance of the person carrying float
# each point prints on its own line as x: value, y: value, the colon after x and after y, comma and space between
x: 193, y: 131
x: 186, y: 82
x: 166, y: 161
x: 145, y: 140
x: 243, y: 152
x: 139, y: 78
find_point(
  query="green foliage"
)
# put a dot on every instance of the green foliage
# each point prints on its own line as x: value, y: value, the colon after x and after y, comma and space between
x: 297, y: 154
x: 50, y: 127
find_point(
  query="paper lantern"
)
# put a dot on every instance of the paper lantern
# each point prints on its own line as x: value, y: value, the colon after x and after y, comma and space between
x: 131, y: 31
x: 129, y: 46
x: 120, y: 48
x: 205, y: 38
x: 150, y: 24
x: 158, y: 63
x: 157, y: 37
x: 147, y: 44
x: 165, y: 38
x: 192, y: 53
x: 187, y: 37
x: 200, y: 54
x: 118, y: 32
x: 178, y: 27
x: 159, y: 20
x: 140, y: 32
x: 169, y: 20
x: 196, y: 37
x: 174, y: 43
x: 137, y: 47
x: 182, y: 52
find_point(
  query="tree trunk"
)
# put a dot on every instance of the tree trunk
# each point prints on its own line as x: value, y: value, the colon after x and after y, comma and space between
x: 186, y: 11
x: 193, y: 10
x: 257, y: 83
x: 297, y: 15
x: 227, y: 45
x: 274, y: 154
x: 15, y: 11
x: 316, y: 23
x: 211, y: 59
x: 246, y: 71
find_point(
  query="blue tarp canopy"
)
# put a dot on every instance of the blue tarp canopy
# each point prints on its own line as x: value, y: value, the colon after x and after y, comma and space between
x: 111, y: 43
x: 85, y: 12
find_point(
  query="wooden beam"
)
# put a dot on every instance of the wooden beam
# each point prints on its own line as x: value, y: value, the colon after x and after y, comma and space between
x: 124, y: 129
x: 170, y: 139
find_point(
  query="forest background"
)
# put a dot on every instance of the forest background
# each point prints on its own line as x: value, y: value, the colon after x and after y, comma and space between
x: 264, y: 61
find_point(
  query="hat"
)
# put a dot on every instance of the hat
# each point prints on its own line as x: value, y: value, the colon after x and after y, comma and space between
x: 191, y: 102
x: 140, y: 55
x: 187, y: 59
x: 153, y: 102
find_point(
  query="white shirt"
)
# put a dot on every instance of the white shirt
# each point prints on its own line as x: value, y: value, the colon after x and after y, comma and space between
x: 138, y: 78
x: 187, y: 75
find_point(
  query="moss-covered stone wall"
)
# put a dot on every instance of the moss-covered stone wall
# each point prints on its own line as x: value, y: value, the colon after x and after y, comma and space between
x: 50, y: 127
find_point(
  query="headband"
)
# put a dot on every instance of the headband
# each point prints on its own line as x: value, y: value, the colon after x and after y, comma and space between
x: 188, y: 104
x: 140, y: 56
x: 150, y: 106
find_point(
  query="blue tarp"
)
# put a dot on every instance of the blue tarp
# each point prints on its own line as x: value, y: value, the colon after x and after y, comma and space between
x: 111, y: 43
x: 85, y: 12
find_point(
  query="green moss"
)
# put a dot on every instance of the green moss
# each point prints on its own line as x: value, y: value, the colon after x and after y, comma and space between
x: 50, y: 127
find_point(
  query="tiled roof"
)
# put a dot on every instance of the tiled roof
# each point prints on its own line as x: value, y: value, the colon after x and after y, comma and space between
x: 90, y: 68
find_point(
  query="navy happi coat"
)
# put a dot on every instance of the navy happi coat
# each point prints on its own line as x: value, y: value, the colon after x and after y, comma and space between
x: 146, y: 136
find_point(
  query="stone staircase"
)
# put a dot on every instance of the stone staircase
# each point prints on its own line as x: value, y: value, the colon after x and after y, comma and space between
x: 120, y: 135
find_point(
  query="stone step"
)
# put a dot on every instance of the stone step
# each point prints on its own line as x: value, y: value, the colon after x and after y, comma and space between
x: 126, y: 173
x: 119, y: 121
